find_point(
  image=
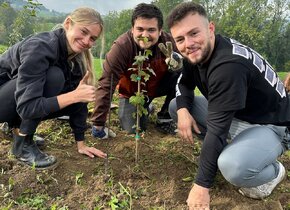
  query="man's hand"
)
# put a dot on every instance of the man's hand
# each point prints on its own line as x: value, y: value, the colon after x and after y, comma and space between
x: 198, y: 198
x: 173, y: 59
x: 287, y: 82
x: 185, y: 125
x: 89, y: 151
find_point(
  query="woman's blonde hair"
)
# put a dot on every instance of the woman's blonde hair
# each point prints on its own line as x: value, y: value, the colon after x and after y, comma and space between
x: 87, y: 16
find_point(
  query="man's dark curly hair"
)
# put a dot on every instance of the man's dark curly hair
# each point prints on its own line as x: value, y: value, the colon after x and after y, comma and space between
x: 147, y: 11
x: 182, y: 10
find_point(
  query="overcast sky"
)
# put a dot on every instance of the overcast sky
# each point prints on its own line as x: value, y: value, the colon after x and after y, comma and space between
x: 102, y: 6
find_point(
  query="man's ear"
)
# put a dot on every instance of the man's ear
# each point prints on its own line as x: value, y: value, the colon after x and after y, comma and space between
x: 211, y: 27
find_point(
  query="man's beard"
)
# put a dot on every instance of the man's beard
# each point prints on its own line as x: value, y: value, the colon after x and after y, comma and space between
x: 204, y: 55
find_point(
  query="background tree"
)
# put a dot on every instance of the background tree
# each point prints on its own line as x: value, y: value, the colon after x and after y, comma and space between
x: 7, y: 17
x: 24, y: 23
x: 260, y: 24
x: 276, y: 43
x: 165, y: 6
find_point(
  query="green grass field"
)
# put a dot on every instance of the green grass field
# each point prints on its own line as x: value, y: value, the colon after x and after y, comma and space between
x: 98, y: 67
x: 3, y: 48
x: 97, y: 64
x: 282, y: 75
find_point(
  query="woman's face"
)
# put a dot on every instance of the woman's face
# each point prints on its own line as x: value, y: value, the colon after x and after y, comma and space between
x: 81, y: 37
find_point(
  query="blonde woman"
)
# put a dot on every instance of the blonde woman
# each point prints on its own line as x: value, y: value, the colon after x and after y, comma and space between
x: 48, y: 75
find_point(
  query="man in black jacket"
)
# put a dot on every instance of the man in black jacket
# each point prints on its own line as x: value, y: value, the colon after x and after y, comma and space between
x: 243, y: 97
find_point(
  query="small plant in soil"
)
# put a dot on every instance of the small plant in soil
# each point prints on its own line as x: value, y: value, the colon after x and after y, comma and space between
x: 141, y: 75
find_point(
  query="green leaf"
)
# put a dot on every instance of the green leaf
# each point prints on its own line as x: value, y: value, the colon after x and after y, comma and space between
x: 134, y: 77
x: 188, y: 179
x: 147, y: 53
x: 151, y: 71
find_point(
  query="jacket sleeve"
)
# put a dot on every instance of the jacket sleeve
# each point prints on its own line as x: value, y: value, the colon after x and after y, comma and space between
x: 185, y: 86
x: 35, y: 56
x: 114, y: 66
x: 78, y: 121
x: 218, y: 125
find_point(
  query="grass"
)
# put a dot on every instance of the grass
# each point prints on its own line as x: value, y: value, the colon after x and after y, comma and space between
x: 3, y: 48
x: 282, y: 75
x: 98, y: 67
x: 97, y: 64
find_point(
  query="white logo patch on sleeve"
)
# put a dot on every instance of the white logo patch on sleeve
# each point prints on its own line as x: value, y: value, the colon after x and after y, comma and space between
x: 241, y: 51
x: 270, y: 76
x: 280, y: 88
x: 261, y: 64
x: 258, y: 62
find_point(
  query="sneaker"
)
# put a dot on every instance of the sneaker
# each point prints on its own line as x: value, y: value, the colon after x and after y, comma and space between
x: 64, y: 117
x: 266, y: 189
x: 163, y: 117
x: 151, y: 109
x: 167, y: 127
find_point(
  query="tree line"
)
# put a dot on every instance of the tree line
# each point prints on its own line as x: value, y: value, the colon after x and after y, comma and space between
x: 263, y: 25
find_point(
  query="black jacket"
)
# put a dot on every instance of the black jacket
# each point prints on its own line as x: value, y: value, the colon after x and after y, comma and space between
x: 237, y: 82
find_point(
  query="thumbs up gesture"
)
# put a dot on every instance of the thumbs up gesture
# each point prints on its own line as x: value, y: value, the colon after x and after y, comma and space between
x: 173, y: 59
x: 84, y: 92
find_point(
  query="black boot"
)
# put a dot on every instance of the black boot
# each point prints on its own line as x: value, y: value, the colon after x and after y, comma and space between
x: 25, y: 150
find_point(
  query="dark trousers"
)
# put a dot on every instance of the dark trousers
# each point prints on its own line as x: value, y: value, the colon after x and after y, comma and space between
x: 126, y: 109
x: 54, y: 85
x: 166, y: 88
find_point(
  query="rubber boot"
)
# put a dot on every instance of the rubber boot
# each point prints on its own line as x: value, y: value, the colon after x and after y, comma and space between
x: 26, y: 151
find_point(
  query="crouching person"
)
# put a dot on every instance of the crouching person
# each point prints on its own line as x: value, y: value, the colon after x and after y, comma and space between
x: 49, y: 75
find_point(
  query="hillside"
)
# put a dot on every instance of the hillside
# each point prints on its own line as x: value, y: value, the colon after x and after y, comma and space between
x: 41, y: 10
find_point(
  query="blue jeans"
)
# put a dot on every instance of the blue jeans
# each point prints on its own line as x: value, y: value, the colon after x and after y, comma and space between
x: 250, y: 159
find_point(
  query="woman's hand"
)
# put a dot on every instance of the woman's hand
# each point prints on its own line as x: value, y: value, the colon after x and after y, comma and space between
x: 90, y: 151
x: 84, y: 92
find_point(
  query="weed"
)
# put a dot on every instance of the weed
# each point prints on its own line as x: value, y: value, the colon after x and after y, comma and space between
x: 36, y: 202
x: 10, y: 184
x: 78, y: 178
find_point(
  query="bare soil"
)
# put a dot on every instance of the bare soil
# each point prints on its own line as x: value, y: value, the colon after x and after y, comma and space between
x: 161, y: 178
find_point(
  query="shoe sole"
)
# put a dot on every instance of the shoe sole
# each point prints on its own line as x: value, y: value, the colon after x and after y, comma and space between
x: 164, y: 120
x: 51, y: 167
x: 283, y: 178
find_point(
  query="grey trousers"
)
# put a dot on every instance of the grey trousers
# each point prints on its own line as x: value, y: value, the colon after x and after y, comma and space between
x: 250, y: 159
x: 127, y: 116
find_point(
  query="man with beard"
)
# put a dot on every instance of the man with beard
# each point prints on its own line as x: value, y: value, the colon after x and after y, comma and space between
x: 147, y: 22
x: 243, y: 99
